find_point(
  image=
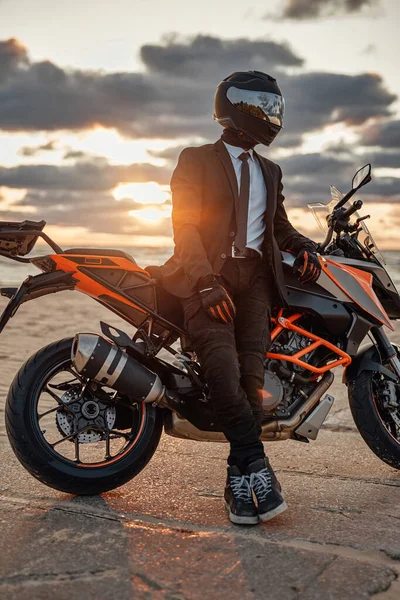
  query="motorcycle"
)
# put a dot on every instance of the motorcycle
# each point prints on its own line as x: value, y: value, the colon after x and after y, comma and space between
x: 85, y: 415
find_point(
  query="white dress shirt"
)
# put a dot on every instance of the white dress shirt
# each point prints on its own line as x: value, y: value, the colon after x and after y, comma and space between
x: 257, y: 199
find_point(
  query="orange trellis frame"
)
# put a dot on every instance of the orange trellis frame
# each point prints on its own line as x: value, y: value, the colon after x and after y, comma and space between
x: 282, y: 323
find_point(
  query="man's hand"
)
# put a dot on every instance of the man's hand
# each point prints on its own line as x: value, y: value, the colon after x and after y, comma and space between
x: 215, y: 300
x: 307, y: 262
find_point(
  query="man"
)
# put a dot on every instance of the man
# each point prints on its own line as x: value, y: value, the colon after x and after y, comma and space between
x: 229, y: 227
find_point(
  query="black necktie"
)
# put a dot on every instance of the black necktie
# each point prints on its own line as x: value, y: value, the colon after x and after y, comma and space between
x: 243, y: 208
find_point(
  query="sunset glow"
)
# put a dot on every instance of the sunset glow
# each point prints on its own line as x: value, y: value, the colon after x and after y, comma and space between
x: 150, y: 216
x: 144, y: 193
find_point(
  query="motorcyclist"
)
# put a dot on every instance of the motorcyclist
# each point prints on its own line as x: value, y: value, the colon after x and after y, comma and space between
x: 229, y: 227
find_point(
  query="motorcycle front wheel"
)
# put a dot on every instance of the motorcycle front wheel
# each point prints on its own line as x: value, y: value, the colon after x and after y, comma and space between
x: 74, y: 436
x: 376, y: 415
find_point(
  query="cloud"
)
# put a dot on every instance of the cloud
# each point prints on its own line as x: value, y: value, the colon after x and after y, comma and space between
x: 166, y: 101
x: 314, y: 164
x: 172, y: 99
x: 98, y: 212
x: 42, y: 96
x: 75, y: 154
x: 314, y: 100
x: 307, y: 177
x: 385, y: 189
x: 95, y: 175
x: 170, y: 154
x: 382, y: 133
x: 313, y: 9
x: 388, y: 160
x: 33, y: 150
x: 205, y: 55
x: 13, y: 56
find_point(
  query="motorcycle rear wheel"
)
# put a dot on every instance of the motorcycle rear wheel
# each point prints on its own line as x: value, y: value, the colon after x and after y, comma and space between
x: 380, y: 435
x: 41, y: 459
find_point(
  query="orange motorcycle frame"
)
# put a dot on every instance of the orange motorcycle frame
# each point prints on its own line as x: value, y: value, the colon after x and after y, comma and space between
x: 288, y: 323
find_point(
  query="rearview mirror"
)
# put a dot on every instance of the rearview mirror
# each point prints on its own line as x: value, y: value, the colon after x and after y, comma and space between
x: 362, y: 177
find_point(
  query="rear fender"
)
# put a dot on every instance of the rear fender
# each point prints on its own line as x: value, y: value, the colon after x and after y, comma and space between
x: 34, y: 287
x: 367, y: 359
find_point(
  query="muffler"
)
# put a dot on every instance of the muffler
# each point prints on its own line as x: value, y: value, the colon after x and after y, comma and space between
x: 98, y: 359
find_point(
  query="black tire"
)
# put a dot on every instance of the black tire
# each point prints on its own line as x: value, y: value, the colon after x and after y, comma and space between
x: 369, y: 422
x: 48, y: 466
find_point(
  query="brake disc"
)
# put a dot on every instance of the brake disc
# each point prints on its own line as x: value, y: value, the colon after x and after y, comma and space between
x: 85, y: 412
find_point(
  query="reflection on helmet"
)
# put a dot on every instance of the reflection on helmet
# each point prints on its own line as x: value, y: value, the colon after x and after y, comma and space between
x: 263, y: 105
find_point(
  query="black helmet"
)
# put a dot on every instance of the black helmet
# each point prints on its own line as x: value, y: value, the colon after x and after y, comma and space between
x: 250, y: 101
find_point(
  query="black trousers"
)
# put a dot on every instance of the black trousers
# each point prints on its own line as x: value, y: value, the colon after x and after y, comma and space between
x: 232, y: 355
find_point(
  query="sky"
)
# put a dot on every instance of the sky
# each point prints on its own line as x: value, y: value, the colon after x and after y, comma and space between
x: 97, y: 99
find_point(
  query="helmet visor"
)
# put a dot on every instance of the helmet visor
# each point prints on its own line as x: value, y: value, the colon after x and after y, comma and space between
x: 263, y: 105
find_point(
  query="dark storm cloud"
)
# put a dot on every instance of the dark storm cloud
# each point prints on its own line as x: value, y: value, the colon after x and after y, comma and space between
x: 206, y: 54
x: 382, y: 133
x: 314, y: 100
x: 389, y: 160
x: 44, y: 97
x: 157, y: 103
x: 312, y: 9
x: 384, y: 188
x: 307, y: 177
x: 300, y: 190
x: 173, y: 99
x: 95, y: 176
x: 314, y: 165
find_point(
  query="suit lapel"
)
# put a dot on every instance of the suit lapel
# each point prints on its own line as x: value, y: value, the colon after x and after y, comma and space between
x: 226, y: 161
x: 270, y: 185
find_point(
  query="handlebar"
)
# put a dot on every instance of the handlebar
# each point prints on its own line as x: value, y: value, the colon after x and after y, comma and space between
x: 357, y: 204
x: 341, y: 221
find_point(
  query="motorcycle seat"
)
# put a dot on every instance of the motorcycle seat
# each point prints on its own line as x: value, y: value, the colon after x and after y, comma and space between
x: 101, y: 252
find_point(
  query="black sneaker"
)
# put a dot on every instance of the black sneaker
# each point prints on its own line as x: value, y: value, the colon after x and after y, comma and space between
x: 239, y: 498
x: 266, y: 488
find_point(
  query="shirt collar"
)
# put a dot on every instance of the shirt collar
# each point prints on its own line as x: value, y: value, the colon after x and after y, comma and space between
x: 235, y: 151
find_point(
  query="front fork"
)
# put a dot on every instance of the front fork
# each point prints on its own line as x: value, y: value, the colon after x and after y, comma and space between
x: 387, y: 350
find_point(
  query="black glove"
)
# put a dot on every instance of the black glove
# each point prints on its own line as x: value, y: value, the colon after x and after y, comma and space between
x: 215, y: 299
x: 307, y: 262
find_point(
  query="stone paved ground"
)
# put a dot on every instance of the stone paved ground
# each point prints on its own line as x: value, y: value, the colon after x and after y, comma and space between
x: 165, y: 535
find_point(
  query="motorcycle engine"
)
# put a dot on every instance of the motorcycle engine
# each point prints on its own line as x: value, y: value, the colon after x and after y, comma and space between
x: 272, y: 392
x: 283, y: 388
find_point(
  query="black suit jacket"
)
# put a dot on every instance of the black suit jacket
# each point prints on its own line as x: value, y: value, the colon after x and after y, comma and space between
x: 204, y: 195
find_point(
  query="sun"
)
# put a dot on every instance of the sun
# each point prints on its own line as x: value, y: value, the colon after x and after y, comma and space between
x: 144, y: 193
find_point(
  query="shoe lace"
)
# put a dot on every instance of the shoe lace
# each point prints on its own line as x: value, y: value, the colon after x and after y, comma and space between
x: 240, y: 485
x: 261, y: 483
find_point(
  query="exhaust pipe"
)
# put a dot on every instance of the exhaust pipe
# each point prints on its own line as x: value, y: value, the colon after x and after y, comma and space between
x: 98, y: 359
